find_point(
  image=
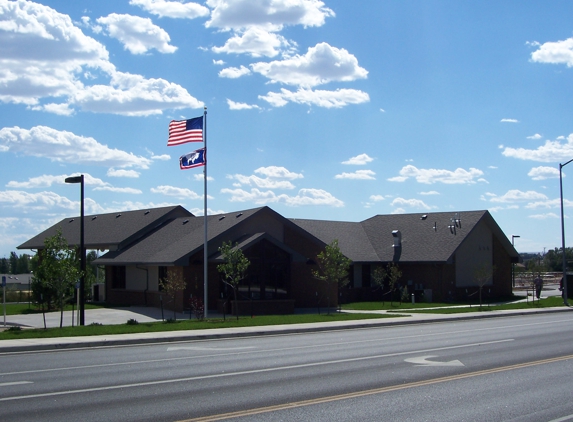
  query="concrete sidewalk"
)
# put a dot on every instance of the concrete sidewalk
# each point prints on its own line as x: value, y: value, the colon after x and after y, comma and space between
x: 120, y: 316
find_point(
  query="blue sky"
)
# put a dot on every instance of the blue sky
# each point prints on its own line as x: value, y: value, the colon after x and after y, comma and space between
x: 319, y: 109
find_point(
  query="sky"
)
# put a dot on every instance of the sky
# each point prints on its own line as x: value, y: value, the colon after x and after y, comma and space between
x: 331, y: 110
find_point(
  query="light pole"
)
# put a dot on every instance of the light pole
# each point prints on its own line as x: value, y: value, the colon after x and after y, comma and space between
x: 80, y: 179
x: 563, y: 233
x: 513, y: 236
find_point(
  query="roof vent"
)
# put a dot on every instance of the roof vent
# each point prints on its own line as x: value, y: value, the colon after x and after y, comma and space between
x: 117, y: 216
x: 185, y: 221
x: 221, y: 218
x: 71, y: 220
x: 397, y: 236
x: 424, y: 217
x: 146, y: 212
x: 94, y: 217
x: 239, y: 214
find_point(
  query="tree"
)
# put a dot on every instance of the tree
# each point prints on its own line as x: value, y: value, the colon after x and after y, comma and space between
x: 392, y: 273
x: 172, y: 284
x: 58, y: 270
x: 13, y: 263
x: 333, y: 267
x: 233, y: 268
x: 4, y: 266
x: 482, y: 275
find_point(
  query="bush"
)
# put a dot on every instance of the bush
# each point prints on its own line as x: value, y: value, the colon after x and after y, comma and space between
x: 132, y: 321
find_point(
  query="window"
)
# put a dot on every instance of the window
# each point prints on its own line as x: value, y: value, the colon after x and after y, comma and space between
x: 118, y: 278
x: 268, y: 276
x: 162, y: 274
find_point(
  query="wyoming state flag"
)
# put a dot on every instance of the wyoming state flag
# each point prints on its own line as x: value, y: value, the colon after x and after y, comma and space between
x: 196, y: 158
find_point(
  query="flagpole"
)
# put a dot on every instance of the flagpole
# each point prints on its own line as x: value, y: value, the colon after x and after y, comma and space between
x: 205, y: 254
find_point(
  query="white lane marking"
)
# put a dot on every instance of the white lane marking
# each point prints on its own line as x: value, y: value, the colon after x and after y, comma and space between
x: 249, y: 372
x: 423, y: 361
x: 7, y: 384
x: 209, y: 349
x: 564, y: 418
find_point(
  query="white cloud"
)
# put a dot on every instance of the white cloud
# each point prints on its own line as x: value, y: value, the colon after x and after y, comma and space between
x: 255, y: 41
x: 181, y: 193
x: 241, y: 106
x: 65, y: 147
x: 304, y: 197
x: 275, y: 178
x: 59, y: 109
x: 535, y: 137
x: 376, y: 198
x: 430, y: 176
x: 320, y: 65
x: 549, y: 215
x: 515, y: 195
x: 200, y: 178
x: 130, y: 191
x: 43, y: 55
x: 320, y: 98
x: 412, y: 203
x: 172, y: 9
x: 543, y: 173
x: 162, y: 157
x: 133, y: 95
x: 269, y: 14
x: 359, y: 160
x: 39, y: 201
x: 234, y: 72
x: 549, y: 203
x: 558, y: 52
x: 431, y: 192
x: 278, y: 172
x: 551, y: 151
x: 357, y: 175
x: 46, y: 181
x: 219, y: 62
x: 122, y: 173
x: 138, y: 35
x: 509, y: 121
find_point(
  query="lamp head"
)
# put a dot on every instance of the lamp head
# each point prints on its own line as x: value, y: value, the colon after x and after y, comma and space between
x: 74, y: 179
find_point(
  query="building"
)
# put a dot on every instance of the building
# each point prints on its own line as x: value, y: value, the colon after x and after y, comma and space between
x: 438, y: 254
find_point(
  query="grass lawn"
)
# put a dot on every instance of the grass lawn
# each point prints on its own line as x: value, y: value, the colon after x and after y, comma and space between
x: 550, y: 302
x: 94, y: 330
x: 391, y: 306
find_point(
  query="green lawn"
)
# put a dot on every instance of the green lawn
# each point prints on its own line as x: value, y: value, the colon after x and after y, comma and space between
x: 94, y: 330
x: 90, y: 330
x: 550, y: 302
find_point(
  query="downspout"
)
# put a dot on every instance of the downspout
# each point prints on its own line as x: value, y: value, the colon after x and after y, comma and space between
x: 146, y: 283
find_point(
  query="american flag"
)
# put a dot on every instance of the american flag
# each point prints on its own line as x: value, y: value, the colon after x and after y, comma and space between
x: 183, y: 131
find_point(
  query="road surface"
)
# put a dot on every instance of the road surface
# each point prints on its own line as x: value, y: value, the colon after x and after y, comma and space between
x: 513, y: 368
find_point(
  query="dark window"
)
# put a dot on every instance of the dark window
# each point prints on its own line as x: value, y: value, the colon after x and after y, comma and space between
x: 118, y: 278
x: 268, y: 276
x: 162, y: 273
x: 366, y: 277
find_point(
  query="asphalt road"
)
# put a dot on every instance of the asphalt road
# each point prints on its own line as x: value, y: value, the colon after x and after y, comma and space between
x: 513, y: 368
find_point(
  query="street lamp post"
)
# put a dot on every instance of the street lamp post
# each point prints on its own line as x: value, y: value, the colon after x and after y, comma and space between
x: 513, y: 236
x: 80, y: 179
x: 563, y: 233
